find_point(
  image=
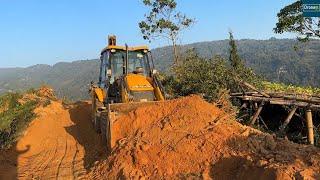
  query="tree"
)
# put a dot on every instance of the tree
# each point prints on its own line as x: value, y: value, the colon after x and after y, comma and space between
x: 198, y: 75
x: 234, y: 58
x: 290, y: 19
x: 164, y: 21
x: 238, y: 68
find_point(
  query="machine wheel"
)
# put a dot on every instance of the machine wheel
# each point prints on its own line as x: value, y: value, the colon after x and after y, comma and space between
x: 108, y: 132
x: 93, y: 110
x: 97, y: 124
x: 96, y: 114
x: 103, y: 127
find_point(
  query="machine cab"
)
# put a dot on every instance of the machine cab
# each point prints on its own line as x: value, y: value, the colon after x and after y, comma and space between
x: 126, y: 74
x: 137, y: 62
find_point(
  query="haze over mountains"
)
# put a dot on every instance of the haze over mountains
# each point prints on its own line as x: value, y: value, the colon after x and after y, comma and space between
x: 284, y: 60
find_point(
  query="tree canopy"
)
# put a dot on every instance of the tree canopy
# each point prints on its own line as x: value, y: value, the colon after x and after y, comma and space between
x: 290, y: 19
x: 164, y: 21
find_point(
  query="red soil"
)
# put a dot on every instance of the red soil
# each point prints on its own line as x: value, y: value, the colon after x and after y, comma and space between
x: 186, y: 138
x: 59, y: 144
x: 190, y: 138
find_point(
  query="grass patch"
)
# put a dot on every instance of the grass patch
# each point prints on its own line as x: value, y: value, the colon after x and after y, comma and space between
x: 14, y: 117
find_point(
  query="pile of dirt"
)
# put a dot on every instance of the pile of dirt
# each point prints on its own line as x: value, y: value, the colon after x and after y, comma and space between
x: 46, y: 91
x: 190, y: 138
x: 42, y: 95
x: 182, y: 138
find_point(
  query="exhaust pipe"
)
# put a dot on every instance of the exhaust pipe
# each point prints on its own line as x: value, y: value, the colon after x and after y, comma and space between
x: 112, y: 40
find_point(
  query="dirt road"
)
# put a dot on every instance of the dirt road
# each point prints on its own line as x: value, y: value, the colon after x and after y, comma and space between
x: 59, y: 144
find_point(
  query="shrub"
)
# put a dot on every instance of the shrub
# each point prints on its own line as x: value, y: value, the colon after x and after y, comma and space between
x: 14, y: 118
x: 197, y: 75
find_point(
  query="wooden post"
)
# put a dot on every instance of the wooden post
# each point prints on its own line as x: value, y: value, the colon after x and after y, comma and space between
x: 244, y: 105
x: 310, y: 126
x: 288, y: 119
x: 256, y: 114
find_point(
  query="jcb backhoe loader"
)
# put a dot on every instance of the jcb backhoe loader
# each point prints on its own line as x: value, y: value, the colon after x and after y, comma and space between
x: 127, y: 80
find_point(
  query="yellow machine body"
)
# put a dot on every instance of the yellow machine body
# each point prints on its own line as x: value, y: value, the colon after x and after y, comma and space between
x: 117, y: 95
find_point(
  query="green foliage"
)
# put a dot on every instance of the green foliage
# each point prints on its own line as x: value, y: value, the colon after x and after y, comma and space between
x: 238, y: 68
x: 202, y: 76
x: 163, y: 21
x: 197, y: 75
x: 280, y: 87
x: 265, y: 57
x: 234, y: 57
x: 14, y: 118
x: 209, y: 76
x: 290, y: 19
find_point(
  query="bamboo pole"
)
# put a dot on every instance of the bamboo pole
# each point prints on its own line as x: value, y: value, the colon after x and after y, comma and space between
x: 256, y: 114
x: 310, y: 126
x: 254, y: 89
x: 288, y: 119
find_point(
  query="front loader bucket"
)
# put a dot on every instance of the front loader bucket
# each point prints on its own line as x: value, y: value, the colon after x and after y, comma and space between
x: 112, y: 114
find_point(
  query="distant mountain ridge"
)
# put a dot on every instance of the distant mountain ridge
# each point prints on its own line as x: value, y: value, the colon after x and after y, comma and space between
x: 68, y: 79
x: 284, y: 60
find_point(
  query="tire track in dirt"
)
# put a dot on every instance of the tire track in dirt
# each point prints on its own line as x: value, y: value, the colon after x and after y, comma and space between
x: 49, y: 160
x: 38, y: 161
x: 33, y: 163
x: 60, y: 161
x: 74, y: 172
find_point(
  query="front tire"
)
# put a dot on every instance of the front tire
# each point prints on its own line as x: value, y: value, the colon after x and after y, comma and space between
x: 103, y: 126
x: 96, y: 114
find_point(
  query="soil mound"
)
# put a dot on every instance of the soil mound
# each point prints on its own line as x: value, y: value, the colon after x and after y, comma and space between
x: 43, y: 96
x: 186, y: 138
x: 190, y: 138
x: 46, y: 91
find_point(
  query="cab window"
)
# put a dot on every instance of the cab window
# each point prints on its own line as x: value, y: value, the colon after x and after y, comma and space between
x: 138, y: 63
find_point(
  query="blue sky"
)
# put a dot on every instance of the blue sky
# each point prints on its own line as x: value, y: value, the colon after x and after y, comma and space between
x: 46, y: 32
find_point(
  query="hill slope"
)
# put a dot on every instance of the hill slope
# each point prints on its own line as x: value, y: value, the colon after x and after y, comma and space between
x: 68, y: 79
x: 267, y: 58
x: 274, y: 59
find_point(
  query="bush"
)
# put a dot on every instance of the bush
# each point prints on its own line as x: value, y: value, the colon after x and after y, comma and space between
x: 197, y: 75
x: 14, y: 118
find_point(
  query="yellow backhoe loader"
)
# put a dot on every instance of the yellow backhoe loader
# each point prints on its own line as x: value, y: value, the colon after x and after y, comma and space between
x: 127, y: 80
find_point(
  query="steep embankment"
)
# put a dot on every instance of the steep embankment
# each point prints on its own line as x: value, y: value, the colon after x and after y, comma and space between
x: 59, y: 143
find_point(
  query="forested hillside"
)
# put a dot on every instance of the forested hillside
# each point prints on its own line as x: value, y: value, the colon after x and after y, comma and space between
x: 283, y: 60
x: 69, y: 80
